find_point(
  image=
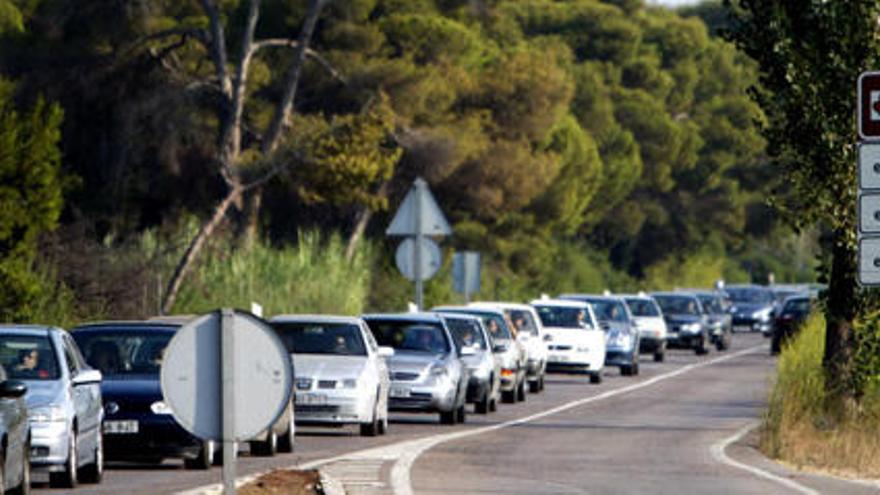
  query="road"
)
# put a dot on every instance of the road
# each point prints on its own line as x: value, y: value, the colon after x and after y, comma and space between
x: 653, y: 433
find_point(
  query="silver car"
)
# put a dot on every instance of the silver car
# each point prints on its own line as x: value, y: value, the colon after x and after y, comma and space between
x: 509, y: 351
x: 341, y: 374
x: 484, y: 387
x: 427, y: 371
x: 63, y: 399
x: 622, y: 349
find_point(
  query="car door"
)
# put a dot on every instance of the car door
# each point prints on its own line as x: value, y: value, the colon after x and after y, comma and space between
x: 379, y: 366
x: 84, y: 397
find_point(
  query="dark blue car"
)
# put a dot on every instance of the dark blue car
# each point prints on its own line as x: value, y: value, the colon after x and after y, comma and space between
x: 138, y: 426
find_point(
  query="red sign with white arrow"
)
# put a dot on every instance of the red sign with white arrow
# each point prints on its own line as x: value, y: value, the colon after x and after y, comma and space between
x: 869, y: 106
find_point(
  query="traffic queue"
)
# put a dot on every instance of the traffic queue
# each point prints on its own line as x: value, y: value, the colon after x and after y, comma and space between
x: 75, y: 400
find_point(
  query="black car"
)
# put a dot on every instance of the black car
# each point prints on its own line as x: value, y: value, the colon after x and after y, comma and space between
x: 138, y: 425
x: 687, y: 323
x: 791, y: 317
x: 752, y: 308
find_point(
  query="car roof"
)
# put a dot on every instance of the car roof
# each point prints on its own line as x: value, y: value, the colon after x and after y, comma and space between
x: 468, y: 309
x: 462, y: 316
x: 641, y: 297
x: 502, y: 305
x: 421, y: 316
x: 126, y: 325
x: 313, y: 318
x: 174, y: 319
x: 597, y: 297
x: 673, y: 294
x: 26, y: 329
x: 561, y: 303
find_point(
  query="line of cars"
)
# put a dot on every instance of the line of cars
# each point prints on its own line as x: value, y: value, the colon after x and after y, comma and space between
x: 70, y: 400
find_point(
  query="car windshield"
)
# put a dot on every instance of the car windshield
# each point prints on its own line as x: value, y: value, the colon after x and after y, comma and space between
x: 342, y: 339
x: 799, y: 306
x: 466, y: 333
x: 565, y: 317
x: 28, y: 357
x: 750, y: 295
x: 608, y: 310
x: 678, y: 305
x: 494, y: 323
x: 408, y: 335
x: 711, y: 304
x: 124, y: 352
x: 644, y: 308
x: 523, y: 321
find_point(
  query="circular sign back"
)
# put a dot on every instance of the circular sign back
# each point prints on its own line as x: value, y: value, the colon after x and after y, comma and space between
x: 431, y: 258
x: 192, y: 376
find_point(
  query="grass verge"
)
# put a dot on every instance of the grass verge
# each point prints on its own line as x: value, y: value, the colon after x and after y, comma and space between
x: 803, y: 428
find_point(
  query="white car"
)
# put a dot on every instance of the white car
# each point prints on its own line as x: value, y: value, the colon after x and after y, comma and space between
x: 529, y: 332
x: 574, y: 338
x: 341, y: 376
x: 650, y: 324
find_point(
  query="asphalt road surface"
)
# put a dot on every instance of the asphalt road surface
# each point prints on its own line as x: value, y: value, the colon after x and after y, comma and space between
x: 660, y: 432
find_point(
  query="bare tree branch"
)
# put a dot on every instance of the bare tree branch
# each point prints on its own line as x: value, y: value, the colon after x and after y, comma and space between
x: 217, y: 44
x: 283, y: 109
x: 290, y: 43
x: 196, y: 33
x: 231, y: 138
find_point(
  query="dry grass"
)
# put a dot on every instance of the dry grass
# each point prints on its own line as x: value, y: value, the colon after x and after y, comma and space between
x: 801, y: 429
x: 284, y: 482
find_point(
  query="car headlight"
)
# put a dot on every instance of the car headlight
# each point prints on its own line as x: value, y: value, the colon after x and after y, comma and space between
x: 438, y: 370
x: 47, y: 414
x: 763, y: 314
x: 347, y: 383
x: 583, y: 348
x: 691, y: 328
x: 160, y: 407
x: 621, y: 340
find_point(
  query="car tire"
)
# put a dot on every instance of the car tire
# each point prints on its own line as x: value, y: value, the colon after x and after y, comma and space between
x: 596, y: 377
x: 508, y: 396
x: 24, y: 486
x: 68, y: 477
x: 371, y: 429
x: 703, y: 348
x: 634, y: 369
x: 448, y: 417
x: 383, y: 425
x: 660, y: 356
x: 775, y: 346
x: 534, y: 386
x: 625, y: 370
x: 204, y: 460
x: 94, y: 472
x: 461, y: 414
x: 493, y: 405
x: 267, y: 447
x: 287, y: 440
x: 482, y: 405
x: 521, y: 392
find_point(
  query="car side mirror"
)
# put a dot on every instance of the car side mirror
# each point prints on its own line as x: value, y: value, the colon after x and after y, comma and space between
x: 12, y: 389
x: 86, y: 377
x: 548, y: 338
x: 385, y: 352
x: 605, y: 326
x: 467, y: 351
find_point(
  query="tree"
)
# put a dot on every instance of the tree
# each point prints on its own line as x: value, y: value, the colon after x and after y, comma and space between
x: 30, y: 196
x: 810, y: 54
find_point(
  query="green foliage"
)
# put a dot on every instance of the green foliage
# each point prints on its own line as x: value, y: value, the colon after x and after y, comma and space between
x: 311, y: 277
x: 30, y: 197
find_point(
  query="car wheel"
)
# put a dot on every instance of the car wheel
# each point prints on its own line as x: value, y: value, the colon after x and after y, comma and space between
x: 482, y: 405
x: 68, y: 477
x: 94, y: 472
x: 493, y: 405
x: 625, y: 370
x: 521, y: 392
x: 461, y: 414
x: 287, y: 439
x: 267, y: 447
x: 634, y: 369
x: 508, y: 396
x: 371, y: 429
x: 535, y: 386
x: 383, y: 425
x: 596, y: 377
x: 448, y: 417
x: 660, y: 356
x: 703, y: 348
x: 205, y: 458
x: 24, y: 487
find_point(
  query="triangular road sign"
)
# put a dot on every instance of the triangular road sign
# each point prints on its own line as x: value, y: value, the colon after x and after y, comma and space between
x: 419, y: 214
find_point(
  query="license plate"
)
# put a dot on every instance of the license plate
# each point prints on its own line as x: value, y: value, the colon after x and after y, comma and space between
x: 742, y: 328
x: 121, y: 427
x: 311, y: 399
x: 398, y: 392
x: 559, y: 358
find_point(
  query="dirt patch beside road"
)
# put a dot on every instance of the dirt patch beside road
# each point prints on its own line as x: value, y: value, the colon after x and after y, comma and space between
x: 285, y: 482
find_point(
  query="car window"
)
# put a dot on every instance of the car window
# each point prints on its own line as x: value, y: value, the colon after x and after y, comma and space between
x: 496, y: 325
x: 678, y: 305
x: 799, y: 306
x: 343, y: 339
x: 466, y: 333
x: 122, y: 352
x: 28, y: 357
x: 644, y: 308
x: 407, y: 335
x: 609, y: 310
x: 711, y: 304
x: 565, y: 317
x: 750, y: 295
x: 523, y: 321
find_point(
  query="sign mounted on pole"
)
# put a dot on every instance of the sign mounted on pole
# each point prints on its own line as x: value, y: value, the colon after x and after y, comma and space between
x: 869, y: 105
x: 466, y: 273
x: 419, y: 217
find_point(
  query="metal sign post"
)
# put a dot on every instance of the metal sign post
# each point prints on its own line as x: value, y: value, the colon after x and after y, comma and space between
x: 227, y: 397
x: 466, y: 273
x: 418, y: 218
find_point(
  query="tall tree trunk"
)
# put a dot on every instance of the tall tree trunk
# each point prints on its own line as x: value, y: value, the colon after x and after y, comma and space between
x: 251, y: 217
x: 839, y: 337
x: 185, y: 264
x: 362, y: 219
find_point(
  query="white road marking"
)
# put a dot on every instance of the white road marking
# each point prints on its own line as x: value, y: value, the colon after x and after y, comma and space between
x: 405, y: 453
x: 718, y: 452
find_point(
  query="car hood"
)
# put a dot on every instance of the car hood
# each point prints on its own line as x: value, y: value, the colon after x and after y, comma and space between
x: 565, y: 336
x: 681, y: 319
x: 481, y: 357
x: 749, y: 308
x: 651, y: 322
x: 44, y: 392
x: 412, y: 361
x: 617, y: 327
x: 140, y: 389
x: 328, y: 367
